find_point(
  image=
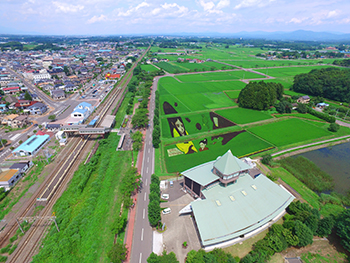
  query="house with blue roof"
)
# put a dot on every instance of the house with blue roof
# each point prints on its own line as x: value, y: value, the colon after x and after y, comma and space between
x: 31, y: 146
x: 3, y: 108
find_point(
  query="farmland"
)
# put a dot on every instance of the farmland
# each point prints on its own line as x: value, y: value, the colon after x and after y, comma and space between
x: 148, y: 67
x: 204, y: 104
x: 175, y: 67
x: 289, y: 131
x: 242, y: 144
x: 243, y: 116
x: 214, y: 76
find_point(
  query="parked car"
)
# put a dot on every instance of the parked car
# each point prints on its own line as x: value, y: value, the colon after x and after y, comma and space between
x: 171, y: 183
x: 166, y: 211
x: 165, y: 196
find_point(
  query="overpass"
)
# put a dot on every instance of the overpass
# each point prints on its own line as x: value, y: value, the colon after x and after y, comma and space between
x: 84, y: 130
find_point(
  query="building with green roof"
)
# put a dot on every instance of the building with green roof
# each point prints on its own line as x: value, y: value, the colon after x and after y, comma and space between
x: 235, y: 202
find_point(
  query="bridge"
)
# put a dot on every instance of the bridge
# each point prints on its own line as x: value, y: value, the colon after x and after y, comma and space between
x: 84, y: 130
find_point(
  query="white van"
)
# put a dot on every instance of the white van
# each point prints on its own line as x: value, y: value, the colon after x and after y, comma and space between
x: 166, y: 211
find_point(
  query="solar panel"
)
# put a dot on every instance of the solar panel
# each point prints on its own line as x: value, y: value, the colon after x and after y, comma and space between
x: 32, y: 140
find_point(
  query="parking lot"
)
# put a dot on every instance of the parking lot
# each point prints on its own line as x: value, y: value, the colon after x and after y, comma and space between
x: 180, y: 228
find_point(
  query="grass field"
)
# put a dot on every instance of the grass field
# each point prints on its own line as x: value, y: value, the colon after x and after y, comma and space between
x: 289, y: 131
x: 243, y: 116
x: 213, y: 76
x: 262, y: 63
x: 241, y: 145
x: 171, y: 67
x: 206, y: 66
x: 148, y: 67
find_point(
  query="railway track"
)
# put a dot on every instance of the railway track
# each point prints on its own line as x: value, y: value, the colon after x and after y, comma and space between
x: 31, y: 240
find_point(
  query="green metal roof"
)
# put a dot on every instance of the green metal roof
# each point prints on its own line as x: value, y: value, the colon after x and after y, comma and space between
x: 202, y: 174
x: 229, y: 164
x: 228, y: 212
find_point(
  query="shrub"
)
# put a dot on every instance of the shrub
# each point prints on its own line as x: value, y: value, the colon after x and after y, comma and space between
x: 333, y: 127
x: 266, y: 159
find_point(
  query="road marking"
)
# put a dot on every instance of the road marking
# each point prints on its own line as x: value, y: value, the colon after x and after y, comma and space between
x: 146, y: 181
x: 149, y: 150
x: 140, y: 257
x: 142, y: 235
x: 147, y: 170
x: 148, y: 159
x: 149, y: 142
x: 144, y: 197
x: 143, y: 216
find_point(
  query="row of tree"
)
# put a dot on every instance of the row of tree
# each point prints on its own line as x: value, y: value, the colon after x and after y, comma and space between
x: 342, y: 62
x: 154, y: 209
x: 331, y: 83
x: 300, y: 225
x: 260, y: 95
x: 156, y: 127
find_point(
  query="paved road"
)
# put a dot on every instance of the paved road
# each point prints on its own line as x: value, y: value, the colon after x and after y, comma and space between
x: 143, y: 235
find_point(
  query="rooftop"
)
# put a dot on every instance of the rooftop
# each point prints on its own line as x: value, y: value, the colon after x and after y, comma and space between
x: 229, y: 164
x: 32, y: 143
x: 238, y: 208
x: 7, y: 175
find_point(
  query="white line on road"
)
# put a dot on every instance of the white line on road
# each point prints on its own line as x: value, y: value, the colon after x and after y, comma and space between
x: 140, y: 257
x: 146, y: 181
x: 149, y: 149
x: 147, y: 170
x: 143, y: 216
x: 142, y: 235
x: 148, y: 159
x: 145, y: 197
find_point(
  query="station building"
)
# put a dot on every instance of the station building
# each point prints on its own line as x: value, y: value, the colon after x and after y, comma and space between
x: 235, y: 201
x: 31, y: 146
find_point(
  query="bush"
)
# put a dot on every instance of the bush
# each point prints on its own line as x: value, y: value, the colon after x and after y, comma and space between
x: 14, y: 238
x: 333, y: 127
x: 321, y: 115
x: 266, y: 159
x: 3, y: 258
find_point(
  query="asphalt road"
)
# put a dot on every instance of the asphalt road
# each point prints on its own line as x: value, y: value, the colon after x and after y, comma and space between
x: 143, y: 234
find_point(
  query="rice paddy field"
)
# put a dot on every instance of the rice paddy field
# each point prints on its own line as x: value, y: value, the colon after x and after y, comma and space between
x: 262, y: 63
x: 242, y: 144
x: 243, y: 116
x: 148, y: 67
x: 214, y: 76
x: 289, y: 131
x: 204, y: 105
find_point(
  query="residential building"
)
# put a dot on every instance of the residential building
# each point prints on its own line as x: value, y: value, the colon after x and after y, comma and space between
x: 303, y: 99
x: 3, y: 108
x: 58, y: 94
x: 8, y: 178
x: 20, y: 121
x: 37, y: 108
x: 7, y: 120
x: 22, y: 166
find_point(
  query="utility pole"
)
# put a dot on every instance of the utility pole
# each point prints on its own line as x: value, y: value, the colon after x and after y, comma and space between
x: 54, y: 219
x: 19, y: 225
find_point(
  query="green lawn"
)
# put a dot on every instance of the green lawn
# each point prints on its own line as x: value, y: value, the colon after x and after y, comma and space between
x: 148, y: 67
x: 289, y: 131
x: 213, y: 76
x: 241, y: 145
x: 243, y: 116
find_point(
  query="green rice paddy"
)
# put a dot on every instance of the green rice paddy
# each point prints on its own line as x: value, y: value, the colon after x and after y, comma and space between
x: 243, y: 144
x: 148, y: 67
x: 289, y: 131
x: 232, y: 94
x: 243, y: 116
x: 214, y: 76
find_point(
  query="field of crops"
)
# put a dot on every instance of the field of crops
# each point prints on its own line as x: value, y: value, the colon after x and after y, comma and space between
x: 243, y: 116
x: 261, y: 63
x: 214, y: 76
x: 289, y: 71
x: 171, y: 67
x: 289, y: 131
x: 206, y: 66
x: 148, y: 67
x: 233, y: 94
x: 299, y: 115
x: 243, y: 144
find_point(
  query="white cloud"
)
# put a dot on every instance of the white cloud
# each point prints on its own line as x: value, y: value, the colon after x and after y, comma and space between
x: 95, y: 19
x: 223, y: 4
x: 206, y: 5
x: 133, y: 9
x: 333, y: 13
x: 167, y: 10
x: 249, y: 3
x: 67, y: 8
x: 296, y: 20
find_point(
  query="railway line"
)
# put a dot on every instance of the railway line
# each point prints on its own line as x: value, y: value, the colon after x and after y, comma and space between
x: 53, y: 186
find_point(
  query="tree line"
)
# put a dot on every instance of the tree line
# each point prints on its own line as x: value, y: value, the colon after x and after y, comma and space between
x: 330, y: 83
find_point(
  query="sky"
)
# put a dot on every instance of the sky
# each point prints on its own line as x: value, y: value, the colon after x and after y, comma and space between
x: 114, y: 17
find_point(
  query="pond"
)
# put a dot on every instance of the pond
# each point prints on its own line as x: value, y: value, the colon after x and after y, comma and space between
x: 335, y: 161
